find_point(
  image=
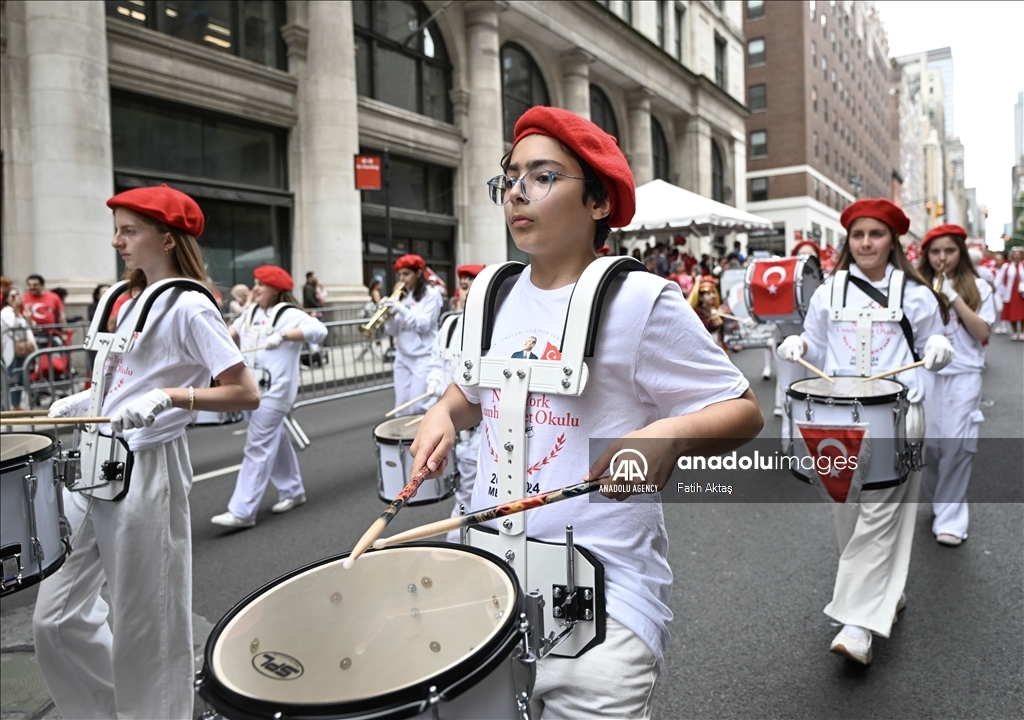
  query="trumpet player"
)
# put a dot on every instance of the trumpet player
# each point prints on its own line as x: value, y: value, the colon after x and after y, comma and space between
x: 413, y: 324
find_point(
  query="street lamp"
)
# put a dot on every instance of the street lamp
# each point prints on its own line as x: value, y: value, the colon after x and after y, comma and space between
x: 858, y: 185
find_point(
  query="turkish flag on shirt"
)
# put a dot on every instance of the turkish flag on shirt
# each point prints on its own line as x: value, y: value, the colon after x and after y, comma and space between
x: 550, y: 352
x: 841, y: 454
x: 771, y: 283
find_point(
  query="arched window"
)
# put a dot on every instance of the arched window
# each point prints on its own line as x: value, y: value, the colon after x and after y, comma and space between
x: 717, y: 174
x: 521, y: 84
x: 400, y: 61
x: 601, y: 112
x: 659, y: 151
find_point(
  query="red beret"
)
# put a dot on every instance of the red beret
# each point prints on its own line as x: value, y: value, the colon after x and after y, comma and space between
x: 940, y: 230
x: 879, y: 209
x: 275, y: 277
x: 169, y: 206
x: 469, y: 270
x: 806, y: 243
x: 595, y: 146
x: 413, y: 262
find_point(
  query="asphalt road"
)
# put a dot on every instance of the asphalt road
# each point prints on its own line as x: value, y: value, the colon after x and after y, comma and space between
x: 749, y: 639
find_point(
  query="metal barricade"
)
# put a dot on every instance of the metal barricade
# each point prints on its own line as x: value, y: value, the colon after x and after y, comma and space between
x: 346, y: 364
x: 51, y: 373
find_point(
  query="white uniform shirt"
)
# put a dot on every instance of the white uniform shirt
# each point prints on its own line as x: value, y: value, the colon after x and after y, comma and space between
x: 184, y: 342
x: 653, y: 359
x: 415, y: 329
x: 282, y: 364
x: 832, y: 345
x: 970, y: 354
x: 1010, y: 274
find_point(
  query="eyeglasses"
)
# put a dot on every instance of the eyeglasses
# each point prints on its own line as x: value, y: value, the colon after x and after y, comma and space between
x: 535, y: 186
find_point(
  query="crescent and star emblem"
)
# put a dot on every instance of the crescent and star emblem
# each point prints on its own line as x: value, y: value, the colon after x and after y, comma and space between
x: 764, y: 278
x: 832, y: 442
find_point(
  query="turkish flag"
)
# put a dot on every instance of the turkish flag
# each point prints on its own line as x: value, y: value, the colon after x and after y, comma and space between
x: 771, y: 283
x: 550, y: 352
x: 840, y: 453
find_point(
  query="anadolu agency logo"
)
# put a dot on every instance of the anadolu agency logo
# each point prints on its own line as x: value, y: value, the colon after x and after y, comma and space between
x: 628, y: 473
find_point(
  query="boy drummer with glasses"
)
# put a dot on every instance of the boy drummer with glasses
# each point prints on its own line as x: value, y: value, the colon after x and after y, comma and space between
x: 656, y: 373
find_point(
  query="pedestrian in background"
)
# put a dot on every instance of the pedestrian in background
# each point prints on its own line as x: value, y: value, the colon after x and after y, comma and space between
x: 47, y: 308
x: 97, y: 293
x: 1010, y: 285
x: 17, y: 340
x: 311, y: 293
x: 241, y: 297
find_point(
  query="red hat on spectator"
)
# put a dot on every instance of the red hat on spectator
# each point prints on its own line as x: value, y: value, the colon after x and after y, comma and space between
x: 880, y: 209
x: 412, y: 262
x: 940, y: 230
x: 275, y: 277
x: 806, y: 243
x: 169, y: 206
x: 469, y: 270
x: 595, y: 146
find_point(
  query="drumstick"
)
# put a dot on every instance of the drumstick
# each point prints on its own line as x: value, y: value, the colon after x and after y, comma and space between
x: 911, y: 366
x: 54, y: 421
x: 374, y: 531
x: 727, y: 316
x: 414, y: 421
x: 412, y: 402
x: 509, y: 508
x: 815, y: 370
x: 23, y: 413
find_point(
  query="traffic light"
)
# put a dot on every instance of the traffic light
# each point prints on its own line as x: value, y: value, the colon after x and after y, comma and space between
x: 930, y: 207
x: 940, y: 209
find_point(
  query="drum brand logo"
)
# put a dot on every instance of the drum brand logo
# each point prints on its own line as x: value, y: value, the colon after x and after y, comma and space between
x: 277, y: 665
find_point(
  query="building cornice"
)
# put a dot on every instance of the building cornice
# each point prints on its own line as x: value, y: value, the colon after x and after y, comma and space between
x: 798, y: 169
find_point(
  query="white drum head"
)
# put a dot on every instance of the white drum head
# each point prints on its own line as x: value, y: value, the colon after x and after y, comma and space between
x: 16, y: 445
x: 847, y: 387
x: 395, y: 430
x: 398, y: 617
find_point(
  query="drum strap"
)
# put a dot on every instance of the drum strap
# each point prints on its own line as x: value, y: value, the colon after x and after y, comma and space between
x: 891, y: 311
x: 877, y: 295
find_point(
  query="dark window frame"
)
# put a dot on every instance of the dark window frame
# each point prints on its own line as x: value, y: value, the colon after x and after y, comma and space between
x: 717, y: 173
x: 753, y: 148
x: 757, y: 97
x: 758, y: 189
x: 536, y: 77
x: 600, y: 101
x: 756, y: 12
x: 661, y: 162
x: 721, y: 61
x: 758, y: 58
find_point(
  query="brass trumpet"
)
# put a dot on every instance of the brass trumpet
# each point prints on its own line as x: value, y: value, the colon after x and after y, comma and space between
x: 381, y: 315
x: 940, y: 278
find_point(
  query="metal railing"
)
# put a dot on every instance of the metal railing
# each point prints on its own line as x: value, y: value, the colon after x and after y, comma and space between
x: 346, y: 364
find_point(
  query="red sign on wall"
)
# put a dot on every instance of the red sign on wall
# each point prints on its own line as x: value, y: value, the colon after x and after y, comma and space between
x: 368, y: 172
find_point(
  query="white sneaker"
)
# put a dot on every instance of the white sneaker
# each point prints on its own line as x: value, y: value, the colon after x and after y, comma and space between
x: 230, y: 521
x: 766, y: 374
x: 854, y: 643
x: 948, y: 539
x: 287, y: 504
x: 777, y: 412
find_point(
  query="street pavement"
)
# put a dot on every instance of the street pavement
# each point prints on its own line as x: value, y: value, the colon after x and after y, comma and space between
x: 749, y: 639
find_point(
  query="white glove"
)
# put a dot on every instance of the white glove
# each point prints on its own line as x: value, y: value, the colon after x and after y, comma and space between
x: 791, y: 349
x: 949, y: 291
x: 274, y: 341
x: 1020, y: 287
x: 394, y: 305
x: 140, y: 413
x: 938, y: 353
x: 915, y: 422
x: 72, y: 406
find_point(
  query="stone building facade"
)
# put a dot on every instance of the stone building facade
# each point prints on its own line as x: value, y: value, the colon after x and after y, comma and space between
x: 258, y: 107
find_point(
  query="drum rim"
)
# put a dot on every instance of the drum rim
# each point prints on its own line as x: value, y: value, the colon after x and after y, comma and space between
x: 29, y: 458
x: 401, y: 703
x: 832, y: 399
x: 394, y: 440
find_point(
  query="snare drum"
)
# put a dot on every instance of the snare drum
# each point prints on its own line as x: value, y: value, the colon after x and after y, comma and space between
x: 882, y: 404
x: 779, y: 290
x: 422, y: 630
x: 394, y: 464
x: 34, y: 530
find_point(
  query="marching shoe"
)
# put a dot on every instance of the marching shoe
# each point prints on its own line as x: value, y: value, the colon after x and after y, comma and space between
x: 766, y: 374
x: 287, y: 504
x: 899, y: 607
x: 230, y: 521
x: 947, y: 539
x: 777, y: 412
x: 854, y: 643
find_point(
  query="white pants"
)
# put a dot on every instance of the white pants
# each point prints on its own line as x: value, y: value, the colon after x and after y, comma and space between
x: 269, y: 457
x: 466, y: 454
x: 411, y: 381
x: 141, y: 547
x: 616, y: 679
x: 952, y: 412
x: 875, y: 539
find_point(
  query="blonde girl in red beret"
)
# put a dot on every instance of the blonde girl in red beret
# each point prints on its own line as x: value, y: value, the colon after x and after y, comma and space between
x: 953, y: 395
x: 656, y: 373
x: 140, y: 547
x: 413, y: 324
x: 876, y: 534
x: 271, y: 333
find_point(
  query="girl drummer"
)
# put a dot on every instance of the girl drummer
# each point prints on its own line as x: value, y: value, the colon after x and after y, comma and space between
x: 875, y: 535
x: 413, y: 325
x: 953, y: 395
x: 141, y: 546
x: 273, y: 331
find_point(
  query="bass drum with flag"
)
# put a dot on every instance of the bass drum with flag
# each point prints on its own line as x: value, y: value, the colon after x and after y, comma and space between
x: 778, y: 290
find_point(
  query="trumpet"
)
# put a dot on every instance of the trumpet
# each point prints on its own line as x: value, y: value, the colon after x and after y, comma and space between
x: 940, y: 278
x: 381, y: 315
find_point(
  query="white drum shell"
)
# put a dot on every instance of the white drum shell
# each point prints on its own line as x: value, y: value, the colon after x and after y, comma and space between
x: 394, y: 464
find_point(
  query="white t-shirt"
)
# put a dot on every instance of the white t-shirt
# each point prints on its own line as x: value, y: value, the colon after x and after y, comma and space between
x: 184, y: 342
x: 832, y: 345
x: 282, y: 364
x: 415, y: 329
x: 653, y: 359
x: 1010, y: 274
x: 970, y: 354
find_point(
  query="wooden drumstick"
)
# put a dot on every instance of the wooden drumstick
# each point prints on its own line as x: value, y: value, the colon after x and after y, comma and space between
x: 911, y: 366
x: 509, y: 508
x: 54, y: 421
x: 414, y: 421
x: 374, y: 531
x: 23, y: 413
x: 816, y: 371
x: 412, y: 402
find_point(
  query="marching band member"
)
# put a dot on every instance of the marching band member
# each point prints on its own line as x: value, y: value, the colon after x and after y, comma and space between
x: 1010, y: 284
x: 876, y: 534
x: 953, y: 396
x: 273, y: 329
x: 413, y: 325
x: 788, y: 373
x: 656, y: 373
x: 705, y: 302
x: 141, y: 546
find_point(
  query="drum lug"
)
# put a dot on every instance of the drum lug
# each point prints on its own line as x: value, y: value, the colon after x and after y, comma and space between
x: 523, y: 706
x: 856, y: 411
x: 532, y: 625
x: 31, y: 482
x: 464, y: 530
x: 434, y: 700
x: 11, y: 567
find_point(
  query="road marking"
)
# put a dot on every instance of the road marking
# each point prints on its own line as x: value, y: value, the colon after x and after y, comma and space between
x: 243, y: 431
x: 216, y: 473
